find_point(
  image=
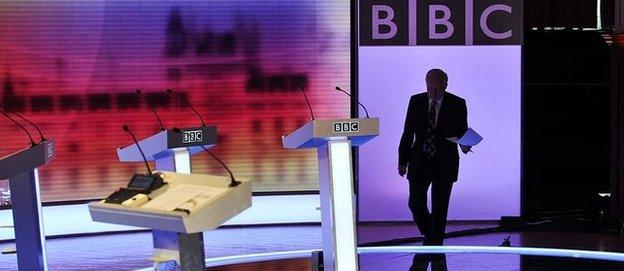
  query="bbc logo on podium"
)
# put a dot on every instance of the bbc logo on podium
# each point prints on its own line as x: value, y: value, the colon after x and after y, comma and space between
x: 346, y: 127
x: 440, y: 22
x: 192, y: 136
x: 49, y: 151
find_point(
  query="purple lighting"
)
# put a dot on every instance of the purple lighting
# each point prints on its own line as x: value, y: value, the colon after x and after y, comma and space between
x: 489, y: 78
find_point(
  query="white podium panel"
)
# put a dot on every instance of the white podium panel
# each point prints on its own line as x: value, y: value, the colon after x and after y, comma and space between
x: 333, y: 140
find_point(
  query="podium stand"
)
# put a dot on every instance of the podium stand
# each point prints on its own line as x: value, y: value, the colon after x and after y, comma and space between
x: 333, y: 140
x: 171, y: 150
x: 21, y: 170
x: 177, y: 234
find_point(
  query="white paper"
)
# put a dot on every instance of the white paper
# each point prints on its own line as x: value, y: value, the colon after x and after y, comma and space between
x: 174, y: 197
x: 208, y: 194
x: 470, y: 138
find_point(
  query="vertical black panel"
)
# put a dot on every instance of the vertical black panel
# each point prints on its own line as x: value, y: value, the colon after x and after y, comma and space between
x: 566, y: 123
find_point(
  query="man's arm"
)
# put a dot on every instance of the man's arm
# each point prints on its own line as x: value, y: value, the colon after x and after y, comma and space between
x: 407, y: 138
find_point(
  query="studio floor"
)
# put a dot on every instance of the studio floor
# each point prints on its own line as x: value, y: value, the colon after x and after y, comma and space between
x: 130, y: 251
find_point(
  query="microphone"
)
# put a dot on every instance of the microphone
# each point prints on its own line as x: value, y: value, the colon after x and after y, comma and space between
x: 127, y: 129
x: 170, y: 91
x: 31, y: 123
x: 140, y: 186
x: 233, y: 182
x: 308, y: 102
x: 140, y: 93
x: 365, y: 110
x: 32, y: 142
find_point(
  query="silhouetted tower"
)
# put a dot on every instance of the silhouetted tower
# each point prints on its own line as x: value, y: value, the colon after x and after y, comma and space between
x: 7, y: 91
x: 251, y: 48
x: 176, y: 35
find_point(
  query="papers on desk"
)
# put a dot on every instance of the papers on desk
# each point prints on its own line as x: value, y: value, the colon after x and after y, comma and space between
x: 180, y: 195
x: 470, y: 138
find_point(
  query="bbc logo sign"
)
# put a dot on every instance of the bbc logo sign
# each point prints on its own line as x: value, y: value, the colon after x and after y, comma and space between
x: 346, y: 127
x: 440, y: 22
x: 193, y: 136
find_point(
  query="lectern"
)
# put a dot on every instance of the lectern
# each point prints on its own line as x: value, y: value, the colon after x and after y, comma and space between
x: 171, y: 150
x: 178, y: 213
x: 21, y: 170
x: 333, y: 140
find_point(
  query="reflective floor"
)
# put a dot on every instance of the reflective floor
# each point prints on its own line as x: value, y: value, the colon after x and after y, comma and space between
x: 480, y: 262
x: 374, y: 232
x: 443, y: 262
x: 132, y: 251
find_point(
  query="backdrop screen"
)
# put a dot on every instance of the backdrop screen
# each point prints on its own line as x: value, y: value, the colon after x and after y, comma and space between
x: 73, y: 67
x: 488, y: 77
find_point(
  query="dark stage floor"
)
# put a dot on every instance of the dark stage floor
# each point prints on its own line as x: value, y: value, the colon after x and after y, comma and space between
x: 375, y: 232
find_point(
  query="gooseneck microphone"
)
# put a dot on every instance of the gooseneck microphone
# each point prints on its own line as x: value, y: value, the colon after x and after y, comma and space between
x: 32, y: 142
x: 365, y: 110
x: 31, y: 123
x: 140, y: 186
x: 170, y: 91
x: 233, y: 181
x: 127, y: 129
x: 140, y: 93
x: 308, y: 102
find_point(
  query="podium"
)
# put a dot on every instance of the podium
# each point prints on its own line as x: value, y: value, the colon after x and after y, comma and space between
x: 185, y: 207
x: 333, y: 140
x: 175, y: 247
x: 21, y: 170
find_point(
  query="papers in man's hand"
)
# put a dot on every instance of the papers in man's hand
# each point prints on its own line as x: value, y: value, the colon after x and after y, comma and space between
x: 470, y: 138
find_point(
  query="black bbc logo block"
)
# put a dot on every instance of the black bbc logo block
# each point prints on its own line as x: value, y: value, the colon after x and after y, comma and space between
x: 496, y: 22
x: 384, y: 22
x: 441, y: 22
x: 337, y: 127
x: 346, y: 127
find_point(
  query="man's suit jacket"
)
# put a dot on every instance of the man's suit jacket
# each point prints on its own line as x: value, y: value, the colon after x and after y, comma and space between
x: 452, y: 122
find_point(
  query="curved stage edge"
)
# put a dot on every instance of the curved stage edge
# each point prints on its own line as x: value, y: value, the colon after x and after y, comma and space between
x: 524, y: 251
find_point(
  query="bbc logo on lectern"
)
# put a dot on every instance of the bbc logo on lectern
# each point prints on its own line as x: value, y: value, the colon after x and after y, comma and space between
x: 440, y: 22
x: 49, y: 147
x: 346, y: 127
x: 193, y: 136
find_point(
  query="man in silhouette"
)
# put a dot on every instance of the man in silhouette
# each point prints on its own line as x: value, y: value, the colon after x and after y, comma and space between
x: 428, y: 157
